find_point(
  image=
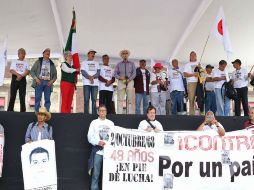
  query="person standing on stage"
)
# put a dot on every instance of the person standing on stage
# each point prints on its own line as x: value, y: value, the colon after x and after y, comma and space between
x: 220, y: 76
x: 106, y: 81
x: 68, y: 81
x: 19, y: 70
x: 98, y: 135
x: 176, y: 88
x: 240, y: 79
x: 150, y: 123
x: 91, y: 71
x: 159, y: 87
x: 44, y: 74
x: 192, y: 79
x: 39, y: 130
x: 141, y: 85
x: 125, y: 72
x: 210, y: 99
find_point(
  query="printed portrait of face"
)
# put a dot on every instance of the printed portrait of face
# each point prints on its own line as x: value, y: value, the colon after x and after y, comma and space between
x: 39, y: 158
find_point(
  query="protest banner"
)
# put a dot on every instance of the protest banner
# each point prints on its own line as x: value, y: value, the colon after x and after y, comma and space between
x: 39, y: 165
x: 1, y: 148
x: 178, y: 160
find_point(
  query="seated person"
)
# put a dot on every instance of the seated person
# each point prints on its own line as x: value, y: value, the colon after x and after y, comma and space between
x: 211, y: 123
x: 39, y: 130
x: 250, y: 124
x: 150, y: 124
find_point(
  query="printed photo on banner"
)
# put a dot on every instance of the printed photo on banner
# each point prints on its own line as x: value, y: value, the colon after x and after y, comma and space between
x: 39, y: 165
x: 178, y: 159
x: 1, y: 148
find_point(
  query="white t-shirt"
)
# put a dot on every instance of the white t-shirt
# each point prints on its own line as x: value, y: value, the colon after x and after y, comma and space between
x: 209, y: 86
x: 45, y: 70
x: 219, y: 73
x: 91, y: 68
x: 19, y: 66
x: 240, y: 78
x: 107, y: 73
x: 143, y: 125
x: 144, y: 78
x: 189, y: 68
x: 212, y: 127
x: 157, y: 76
x: 176, y: 80
x: 99, y: 130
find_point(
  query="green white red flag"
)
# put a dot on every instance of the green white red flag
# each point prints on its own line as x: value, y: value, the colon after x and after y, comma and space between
x: 71, y: 44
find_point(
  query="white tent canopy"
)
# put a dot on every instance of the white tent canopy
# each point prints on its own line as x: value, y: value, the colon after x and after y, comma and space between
x: 160, y: 29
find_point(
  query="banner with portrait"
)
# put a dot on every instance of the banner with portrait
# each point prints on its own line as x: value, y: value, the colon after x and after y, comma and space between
x: 1, y: 148
x: 39, y: 165
x: 178, y: 160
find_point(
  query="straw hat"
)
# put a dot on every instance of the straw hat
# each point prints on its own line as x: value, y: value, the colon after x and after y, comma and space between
x: 44, y: 111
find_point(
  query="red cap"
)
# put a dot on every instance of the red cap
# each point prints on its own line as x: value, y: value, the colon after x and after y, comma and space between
x: 158, y: 65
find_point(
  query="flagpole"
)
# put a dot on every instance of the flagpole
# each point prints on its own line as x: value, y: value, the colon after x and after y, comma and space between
x: 203, y: 51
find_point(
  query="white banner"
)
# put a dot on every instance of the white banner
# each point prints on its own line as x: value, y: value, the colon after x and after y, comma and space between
x: 178, y: 160
x: 1, y: 148
x: 39, y: 165
x: 3, y: 61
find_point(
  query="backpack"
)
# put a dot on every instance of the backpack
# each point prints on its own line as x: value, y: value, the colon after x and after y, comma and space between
x: 230, y: 91
x: 33, y: 124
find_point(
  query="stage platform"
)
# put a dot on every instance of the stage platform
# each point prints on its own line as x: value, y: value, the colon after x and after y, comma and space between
x: 72, y: 147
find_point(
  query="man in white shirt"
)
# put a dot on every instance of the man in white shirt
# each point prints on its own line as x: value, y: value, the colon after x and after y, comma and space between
x: 176, y: 87
x: 98, y: 135
x: 210, y: 99
x: 192, y: 80
x: 150, y: 124
x: 159, y: 85
x: 220, y: 76
x: 106, y: 81
x: 90, y: 71
x: 19, y: 70
x: 240, y: 78
x: 211, y: 124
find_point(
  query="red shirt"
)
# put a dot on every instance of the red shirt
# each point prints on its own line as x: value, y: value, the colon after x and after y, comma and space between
x: 248, y: 125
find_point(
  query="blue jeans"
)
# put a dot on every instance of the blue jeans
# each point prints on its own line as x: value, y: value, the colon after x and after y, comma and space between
x: 96, y: 171
x: 87, y: 90
x: 177, y: 101
x: 222, y: 104
x: 139, y: 97
x: 210, y: 101
x: 39, y: 89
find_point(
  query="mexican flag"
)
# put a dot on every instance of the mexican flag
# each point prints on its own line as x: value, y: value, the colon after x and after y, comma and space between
x: 71, y: 44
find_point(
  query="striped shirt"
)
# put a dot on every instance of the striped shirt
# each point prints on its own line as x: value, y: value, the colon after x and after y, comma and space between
x: 33, y: 131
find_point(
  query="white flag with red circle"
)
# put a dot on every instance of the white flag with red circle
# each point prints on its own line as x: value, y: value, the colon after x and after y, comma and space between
x: 220, y: 31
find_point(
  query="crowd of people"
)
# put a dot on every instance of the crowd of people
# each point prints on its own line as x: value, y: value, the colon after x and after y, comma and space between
x: 167, y: 89
x: 100, y: 128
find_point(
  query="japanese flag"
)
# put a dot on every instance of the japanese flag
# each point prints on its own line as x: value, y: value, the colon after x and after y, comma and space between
x: 220, y: 31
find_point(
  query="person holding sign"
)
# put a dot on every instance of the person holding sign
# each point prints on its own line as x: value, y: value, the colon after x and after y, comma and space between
x: 39, y: 130
x: 150, y: 124
x: 250, y: 124
x: 211, y: 124
x: 90, y: 71
x: 19, y: 70
x: 44, y: 74
x: 98, y: 135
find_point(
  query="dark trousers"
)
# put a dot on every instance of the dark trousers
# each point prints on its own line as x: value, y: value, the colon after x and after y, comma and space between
x: 15, y: 86
x: 105, y: 98
x: 242, y: 96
